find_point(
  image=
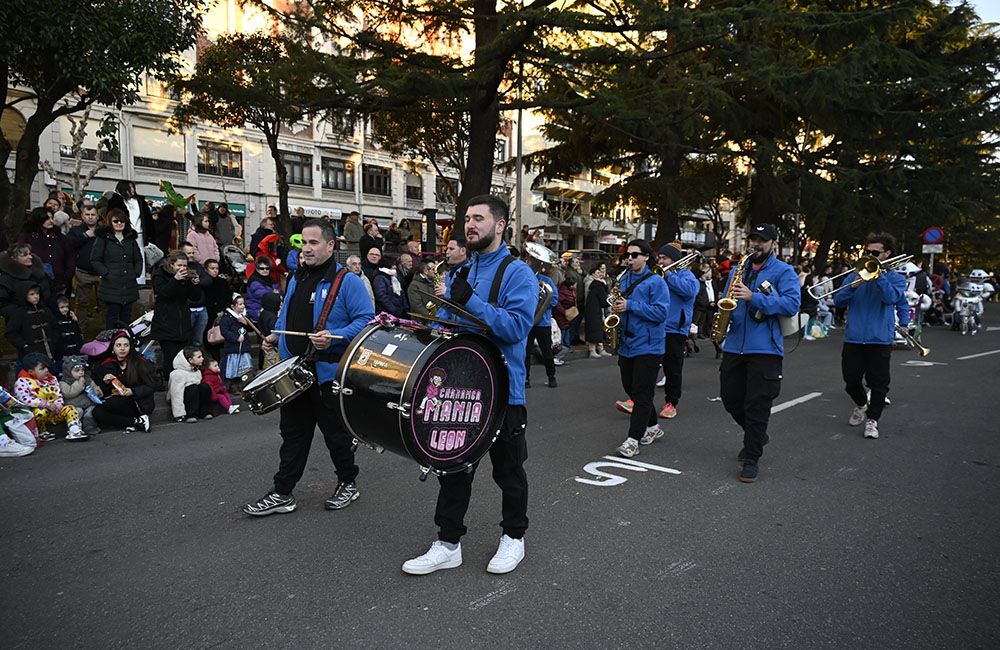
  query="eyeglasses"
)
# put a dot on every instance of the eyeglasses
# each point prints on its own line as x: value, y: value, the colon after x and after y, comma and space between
x: 634, y: 255
x: 873, y: 252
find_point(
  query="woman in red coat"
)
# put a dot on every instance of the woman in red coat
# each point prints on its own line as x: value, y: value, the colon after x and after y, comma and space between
x: 567, y: 301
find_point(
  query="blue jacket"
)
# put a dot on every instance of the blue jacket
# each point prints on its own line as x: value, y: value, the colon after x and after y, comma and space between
x: 352, y: 310
x: 512, y: 318
x: 256, y: 290
x: 644, y: 320
x: 684, y: 288
x: 871, y: 315
x: 747, y: 336
x: 547, y: 316
x: 292, y: 261
x: 386, y: 299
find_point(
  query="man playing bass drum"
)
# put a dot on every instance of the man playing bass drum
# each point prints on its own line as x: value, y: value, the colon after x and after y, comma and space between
x: 642, y: 307
x: 752, y: 352
x: 491, y: 271
x: 317, y: 279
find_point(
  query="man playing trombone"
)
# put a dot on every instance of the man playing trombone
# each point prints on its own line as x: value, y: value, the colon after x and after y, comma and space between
x: 871, y: 294
x: 683, y: 288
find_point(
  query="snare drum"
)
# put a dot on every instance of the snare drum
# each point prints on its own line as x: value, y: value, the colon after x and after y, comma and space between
x: 278, y: 384
x: 436, y: 397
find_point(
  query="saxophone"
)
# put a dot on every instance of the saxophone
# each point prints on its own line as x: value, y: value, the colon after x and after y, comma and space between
x: 720, y: 323
x: 613, y: 322
x: 431, y: 306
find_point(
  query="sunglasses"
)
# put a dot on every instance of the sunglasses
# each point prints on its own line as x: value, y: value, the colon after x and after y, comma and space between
x: 873, y: 252
x: 634, y: 255
x: 117, y: 221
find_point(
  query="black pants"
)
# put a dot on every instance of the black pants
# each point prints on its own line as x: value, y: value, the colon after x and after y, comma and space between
x: 299, y: 419
x: 507, y: 454
x: 169, y: 349
x: 673, y: 367
x: 870, y: 363
x: 749, y: 383
x: 197, y: 400
x: 543, y: 335
x: 117, y: 411
x: 116, y: 315
x: 639, y: 381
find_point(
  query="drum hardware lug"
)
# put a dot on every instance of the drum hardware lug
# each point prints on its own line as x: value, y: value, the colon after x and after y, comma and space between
x: 376, y: 448
x: 354, y: 445
x: 404, y: 408
x: 444, y: 335
x: 336, y: 389
x: 424, y: 471
x: 469, y: 468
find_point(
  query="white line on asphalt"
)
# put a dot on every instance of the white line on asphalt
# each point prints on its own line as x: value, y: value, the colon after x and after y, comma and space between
x: 792, y: 402
x: 981, y: 354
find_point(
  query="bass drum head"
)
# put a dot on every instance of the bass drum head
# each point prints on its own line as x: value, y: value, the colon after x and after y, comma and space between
x: 458, y: 394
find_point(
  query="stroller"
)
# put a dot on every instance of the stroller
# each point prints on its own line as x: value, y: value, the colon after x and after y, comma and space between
x: 234, y: 267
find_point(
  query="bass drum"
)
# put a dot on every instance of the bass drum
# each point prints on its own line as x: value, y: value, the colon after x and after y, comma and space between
x: 436, y: 397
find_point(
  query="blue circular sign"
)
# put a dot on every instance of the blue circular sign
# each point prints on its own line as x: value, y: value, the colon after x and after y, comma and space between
x: 933, y: 235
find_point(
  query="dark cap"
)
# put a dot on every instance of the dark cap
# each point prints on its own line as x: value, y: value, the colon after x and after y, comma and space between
x: 765, y: 231
x: 671, y: 250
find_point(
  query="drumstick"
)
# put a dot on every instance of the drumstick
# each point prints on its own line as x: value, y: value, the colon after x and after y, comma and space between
x: 289, y: 333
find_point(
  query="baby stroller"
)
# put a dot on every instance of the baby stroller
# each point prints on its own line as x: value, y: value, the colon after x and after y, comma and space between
x: 234, y: 267
x: 139, y: 329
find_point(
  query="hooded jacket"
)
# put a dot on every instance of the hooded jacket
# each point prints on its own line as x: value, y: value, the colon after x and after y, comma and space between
x: 871, y: 308
x: 74, y: 391
x: 748, y: 336
x: 33, y: 328
x: 350, y: 313
x: 683, y: 288
x: 643, y: 328
x: 257, y: 288
x: 54, y: 250
x: 16, y: 279
x: 511, y: 319
x: 182, y: 376
x: 38, y: 394
x: 119, y: 263
x: 205, y: 246
x: 268, y: 247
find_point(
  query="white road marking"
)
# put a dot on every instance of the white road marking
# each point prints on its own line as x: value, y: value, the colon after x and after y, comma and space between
x: 504, y: 589
x: 793, y: 402
x: 922, y: 364
x: 606, y: 479
x: 677, y: 568
x: 992, y: 329
x: 981, y: 354
x: 722, y: 489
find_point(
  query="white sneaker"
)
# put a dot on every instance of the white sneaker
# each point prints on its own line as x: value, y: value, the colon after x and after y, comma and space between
x: 629, y: 448
x: 559, y: 362
x: 144, y: 419
x: 437, y: 557
x: 605, y: 353
x: 871, y: 429
x: 234, y: 409
x: 74, y: 432
x: 808, y: 337
x: 858, y: 415
x: 509, y: 554
x: 661, y: 382
x: 594, y: 355
x: 12, y: 449
x: 652, y: 434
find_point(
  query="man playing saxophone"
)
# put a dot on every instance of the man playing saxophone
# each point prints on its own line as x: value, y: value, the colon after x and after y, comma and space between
x: 642, y: 307
x: 753, y: 348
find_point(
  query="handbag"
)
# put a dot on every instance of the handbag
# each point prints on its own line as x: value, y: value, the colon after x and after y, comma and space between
x: 572, y: 313
x: 214, y: 335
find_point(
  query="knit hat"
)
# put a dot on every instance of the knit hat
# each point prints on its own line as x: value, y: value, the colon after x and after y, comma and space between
x: 672, y: 250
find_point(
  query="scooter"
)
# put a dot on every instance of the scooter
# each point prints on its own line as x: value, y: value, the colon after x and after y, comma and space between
x: 968, y: 308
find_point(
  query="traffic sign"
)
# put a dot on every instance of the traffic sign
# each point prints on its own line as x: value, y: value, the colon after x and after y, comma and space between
x: 933, y: 235
x: 932, y: 248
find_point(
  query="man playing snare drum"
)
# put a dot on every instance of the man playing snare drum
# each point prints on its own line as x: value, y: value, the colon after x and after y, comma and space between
x: 301, y: 311
x: 509, y: 321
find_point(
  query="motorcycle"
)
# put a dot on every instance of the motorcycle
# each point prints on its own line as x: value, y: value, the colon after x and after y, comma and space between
x: 968, y: 308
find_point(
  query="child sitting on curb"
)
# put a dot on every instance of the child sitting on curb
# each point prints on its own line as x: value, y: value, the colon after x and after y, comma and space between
x: 80, y: 390
x: 211, y: 376
x: 38, y: 388
x: 189, y: 398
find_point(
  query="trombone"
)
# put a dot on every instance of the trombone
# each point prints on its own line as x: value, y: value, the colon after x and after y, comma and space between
x: 867, y: 267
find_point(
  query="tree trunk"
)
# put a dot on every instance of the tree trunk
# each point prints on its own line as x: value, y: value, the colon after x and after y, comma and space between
x: 667, y: 214
x: 284, y: 219
x: 761, y: 199
x: 15, y: 198
x: 830, y: 228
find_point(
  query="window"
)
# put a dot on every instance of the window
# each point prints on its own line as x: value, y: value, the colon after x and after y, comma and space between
x: 90, y: 153
x: 500, y: 150
x: 159, y: 88
x: 414, y: 187
x: 376, y: 180
x: 338, y: 174
x: 298, y: 168
x: 220, y: 159
x: 445, y: 189
x: 157, y: 149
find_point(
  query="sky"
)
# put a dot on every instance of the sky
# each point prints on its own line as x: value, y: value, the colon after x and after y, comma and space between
x: 988, y: 10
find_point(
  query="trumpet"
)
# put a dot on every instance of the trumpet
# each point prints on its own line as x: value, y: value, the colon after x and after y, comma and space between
x: 868, y: 268
x: 905, y: 333
x: 680, y: 264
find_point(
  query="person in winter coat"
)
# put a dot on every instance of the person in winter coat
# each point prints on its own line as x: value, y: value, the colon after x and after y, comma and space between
x: 200, y: 236
x: 127, y: 385
x: 82, y: 239
x: 265, y: 228
x: 67, y: 329
x: 117, y: 259
x: 567, y: 302
x: 32, y: 328
x: 268, y: 248
x: 39, y: 389
x: 20, y: 269
x: 211, y: 376
x: 421, y: 285
x: 236, y: 329
x: 173, y: 286
x: 372, y: 238
x: 163, y: 223
x: 259, y: 285
x: 80, y: 390
x: 189, y: 398
x: 227, y: 229
x: 595, y: 310
x: 52, y: 247
x: 389, y: 294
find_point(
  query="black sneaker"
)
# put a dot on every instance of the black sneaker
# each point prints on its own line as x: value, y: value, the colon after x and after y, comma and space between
x: 269, y: 504
x: 342, y: 496
x: 749, y: 472
x: 552, y: 382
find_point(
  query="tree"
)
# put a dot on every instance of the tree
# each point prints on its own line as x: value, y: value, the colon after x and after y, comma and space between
x: 262, y: 80
x: 77, y: 179
x: 83, y: 53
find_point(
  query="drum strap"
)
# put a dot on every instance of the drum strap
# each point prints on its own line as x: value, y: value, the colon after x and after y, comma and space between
x: 498, y: 278
x: 331, y: 297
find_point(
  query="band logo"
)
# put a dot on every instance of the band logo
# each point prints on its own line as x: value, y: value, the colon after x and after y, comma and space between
x: 446, y: 409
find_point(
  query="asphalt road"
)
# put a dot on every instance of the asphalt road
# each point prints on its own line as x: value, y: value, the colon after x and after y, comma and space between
x: 137, y: 541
